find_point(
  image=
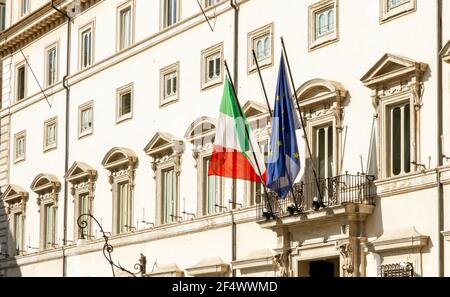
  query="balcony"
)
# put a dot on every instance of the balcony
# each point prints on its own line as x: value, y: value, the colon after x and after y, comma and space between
x: 342, y: 195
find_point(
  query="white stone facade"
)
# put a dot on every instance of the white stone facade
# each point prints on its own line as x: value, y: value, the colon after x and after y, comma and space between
x: 372, y: 57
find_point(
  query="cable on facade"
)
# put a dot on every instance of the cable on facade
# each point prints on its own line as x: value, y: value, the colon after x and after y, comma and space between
x: 209, y: 19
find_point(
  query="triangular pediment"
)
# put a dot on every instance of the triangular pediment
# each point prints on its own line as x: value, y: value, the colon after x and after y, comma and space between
x: 163, y: 144
x: 13, y: 192
x: 80, y: 170
x: 446, y: 52
x: 254, y: 109
x: 392, y: 67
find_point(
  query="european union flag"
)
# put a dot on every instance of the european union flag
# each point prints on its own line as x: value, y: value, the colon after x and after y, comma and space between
x: 284, y: 158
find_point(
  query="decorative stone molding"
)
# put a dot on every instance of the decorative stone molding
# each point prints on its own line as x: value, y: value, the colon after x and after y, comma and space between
x: 282, y: 261
x: 166, y: 152
x: 388, y: 13
x: 83, y: 178
x: 398, y: 239
x: 122, y: 164
x: 347, y: 263
x: 15, y: 199
x: 214, y: 267
x: 171, y: 270
x: 256, y: 260
x: 47, y: 186
x: 395, y: 79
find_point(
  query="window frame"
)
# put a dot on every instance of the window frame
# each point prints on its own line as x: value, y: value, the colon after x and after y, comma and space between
x: 163, y: 100
x: 21, y: 216
x: 82, y: 29
x: 163, y: 20
x: 387, y: 14
x: 17, y: 137
x: 176, y: 207
x: 120, y: 8
x: 207, y: 53
x: 23, y: 13
x: 206, y: 5
x: 269, y: 30
x: 48, y: 147
x: 54, y: 46
x: 19, y: 65
x: 315, y: 41
x: 120, y: 92
x: 82, y: 108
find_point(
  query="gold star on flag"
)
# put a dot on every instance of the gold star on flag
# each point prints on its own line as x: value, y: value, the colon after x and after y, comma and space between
x: 296, y: 155
x: 279, y: 143
x: 278, y: 98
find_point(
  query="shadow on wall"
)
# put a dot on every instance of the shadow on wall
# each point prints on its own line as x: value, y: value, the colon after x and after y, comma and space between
x: 7, y: 259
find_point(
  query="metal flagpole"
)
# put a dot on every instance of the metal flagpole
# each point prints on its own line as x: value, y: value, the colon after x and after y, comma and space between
x: 270, y: 110
x: 302, y: 120
x: 248, y: 136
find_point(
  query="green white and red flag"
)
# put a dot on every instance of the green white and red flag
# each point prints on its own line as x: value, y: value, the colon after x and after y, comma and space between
x: 235, y: 155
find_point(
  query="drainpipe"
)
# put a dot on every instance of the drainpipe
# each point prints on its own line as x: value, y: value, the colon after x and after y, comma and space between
x: 439, y: 136
x: 235, y: 6
x: 66, y: 150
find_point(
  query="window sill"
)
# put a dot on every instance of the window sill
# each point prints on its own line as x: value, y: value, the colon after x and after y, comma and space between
x: 50, y: 148
x: 323, y: 41
x: 212, y: 84
x: 85, y: 134
x: 168, y: 102
x: 124, y: 118
x: 18, y: 161
x: 262, y: 65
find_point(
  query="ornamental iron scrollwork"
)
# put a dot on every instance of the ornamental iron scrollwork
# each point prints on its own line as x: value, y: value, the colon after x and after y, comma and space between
x: 404, y: 269
x: 108, y: 249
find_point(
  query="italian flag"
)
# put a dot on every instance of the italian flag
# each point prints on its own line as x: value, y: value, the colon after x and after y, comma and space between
x: 232, y: 155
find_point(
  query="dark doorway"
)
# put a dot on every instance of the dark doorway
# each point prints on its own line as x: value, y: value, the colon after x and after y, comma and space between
x: 321, y: 269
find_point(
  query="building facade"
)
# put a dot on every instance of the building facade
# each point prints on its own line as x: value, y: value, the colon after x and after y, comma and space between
x: 109, y: 107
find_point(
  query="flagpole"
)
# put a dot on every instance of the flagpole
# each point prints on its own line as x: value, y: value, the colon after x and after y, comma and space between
x: 248, y: 136
x: 302, y: 120
x: 270, y: 111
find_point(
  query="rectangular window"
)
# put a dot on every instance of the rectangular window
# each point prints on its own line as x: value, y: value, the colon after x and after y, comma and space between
x: 2, y: 16
x: 18, y: 233
x: 124, y: 103
x: 49, y: 226
x: 212, y: 59
x: 86, y: 48
x: 84, y: 207
x: 24, y: 7
x: 51, y: 74
x: 171, y: 10
x: 124, y: 208
x: 19, y: 147
x: 50, y: 134
x: 324, y: 151
x: 396, y: 3
x: 323, y: 24
x: 169, y: 207
x: 86, y: 119
x: 209, y: 3
x: 125, y: 27
x: 20, y: 82
x: 392, y: 9
x: 212, y: 191
x: 261, y: 41
x: 169, y: 84
x: 400, y: 138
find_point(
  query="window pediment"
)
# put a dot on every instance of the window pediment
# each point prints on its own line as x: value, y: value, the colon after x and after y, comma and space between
x: 119, y: 157
x: 254, y: 109
x: 45, y: 183
x: 14, y: 194
x: 164, y: 144
x: 392, y: 68
x: 80, y: 171
x: 446, y: 52
x: 201, y: 130
x: 319, y: 91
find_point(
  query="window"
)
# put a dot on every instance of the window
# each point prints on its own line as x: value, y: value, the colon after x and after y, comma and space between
x: 124, y: 103
x: 209, y: 3
x: 169, y: 84
x: 391, y: 9
x: 171, y: 12
x: 24, y: 7
x: 124, y: 208
x: 19, y: 146
x: 324, y: 151
x: 50, y: 134
x: 20, y: 82
x: 2, y: 16
x: 170, y: 204
x: 400, y: 139
x: 49, y: 226
x: 86, y: 57
x: 82, y: 178
x: 125, y: 26
x: 51, y: 66
x: 260, y: 40
x: 212, y: 70
x: 86, y: 119
x: 122, y: 164
x: 323, y: 24
x: 166, y: 152
x: 18, y: 233
x: 213, y: 190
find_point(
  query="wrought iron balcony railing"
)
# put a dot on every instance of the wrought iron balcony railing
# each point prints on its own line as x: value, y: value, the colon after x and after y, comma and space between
x: 308, y: 196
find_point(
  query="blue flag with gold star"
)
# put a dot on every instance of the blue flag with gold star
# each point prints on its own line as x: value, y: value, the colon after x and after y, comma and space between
x: 284, y: 158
